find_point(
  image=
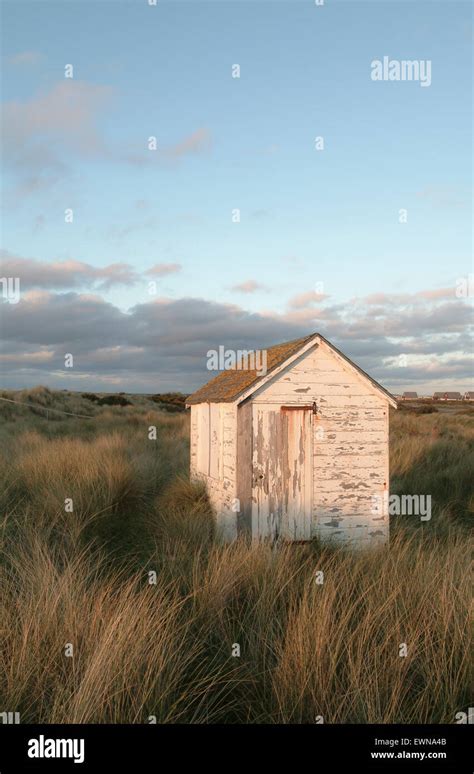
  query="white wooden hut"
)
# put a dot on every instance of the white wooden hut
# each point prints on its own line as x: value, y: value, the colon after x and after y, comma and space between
x: 296, y: 453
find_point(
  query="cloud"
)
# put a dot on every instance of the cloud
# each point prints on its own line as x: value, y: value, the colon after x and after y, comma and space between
x: 41, y: 134
x: 26, y: 58
x: 437, y: 293
x: 162, y: 344
x: 306, y: 299
x: 163, y: 269
x: 197, y: 142
x: 249, y: 286
x: 59, y: 275
x: 156, y: 345
x: 28, y: 358
x: 406, y: 299
x: 67, y: 113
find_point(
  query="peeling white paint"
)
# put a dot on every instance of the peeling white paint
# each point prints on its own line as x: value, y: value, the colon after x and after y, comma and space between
x: 298, y: 475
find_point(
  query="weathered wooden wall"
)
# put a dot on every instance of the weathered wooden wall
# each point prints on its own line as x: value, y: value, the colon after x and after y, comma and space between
x: 213, y: 460
x: 350, y: 443
x: 239, y: 451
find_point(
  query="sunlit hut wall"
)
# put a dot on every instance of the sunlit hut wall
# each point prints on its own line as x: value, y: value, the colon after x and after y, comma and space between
x: 298, y: 452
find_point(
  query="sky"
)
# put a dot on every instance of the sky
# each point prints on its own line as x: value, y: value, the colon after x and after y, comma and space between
x: 155, y: 206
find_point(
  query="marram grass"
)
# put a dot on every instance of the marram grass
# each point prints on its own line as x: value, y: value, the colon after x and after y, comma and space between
x: 126, y: 610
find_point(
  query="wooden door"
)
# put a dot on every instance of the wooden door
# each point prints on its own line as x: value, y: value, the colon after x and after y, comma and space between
x: 282, y: 472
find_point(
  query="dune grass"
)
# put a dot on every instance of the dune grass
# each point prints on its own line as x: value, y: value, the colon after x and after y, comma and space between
x: 126, y: 610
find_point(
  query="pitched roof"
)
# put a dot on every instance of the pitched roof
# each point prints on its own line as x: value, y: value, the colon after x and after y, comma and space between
x: 228, y: 385
x: 410, y: 394
x: 451, y: 395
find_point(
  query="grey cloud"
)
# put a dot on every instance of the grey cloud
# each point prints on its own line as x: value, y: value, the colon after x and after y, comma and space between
x: 448, y: 317
x: 169, y: 339
x: 164, y: 343
x: 64, y: 274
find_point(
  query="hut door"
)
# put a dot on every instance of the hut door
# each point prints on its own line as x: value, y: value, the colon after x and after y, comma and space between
x: 282, y: 472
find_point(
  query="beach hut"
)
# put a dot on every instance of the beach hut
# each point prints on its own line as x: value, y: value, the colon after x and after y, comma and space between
x: 297, y: 452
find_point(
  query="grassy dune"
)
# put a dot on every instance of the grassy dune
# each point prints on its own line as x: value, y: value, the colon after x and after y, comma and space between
x: 164, y: 648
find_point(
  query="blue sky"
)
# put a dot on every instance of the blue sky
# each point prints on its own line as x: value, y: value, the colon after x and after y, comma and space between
x: 319, y: 245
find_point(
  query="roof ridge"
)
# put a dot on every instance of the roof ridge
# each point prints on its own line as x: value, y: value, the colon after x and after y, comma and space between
x: 228, y: 385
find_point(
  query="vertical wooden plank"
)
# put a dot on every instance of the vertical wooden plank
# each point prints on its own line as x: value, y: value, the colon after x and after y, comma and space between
x: 307, y: 475
x: 261, y: 473
x: 203, y: 439
x: 297, y: 519
x: 282, y: 473
x: 215, y: 445
x: 244, y: 468
x: 275, y: 482
x: 194, y: 440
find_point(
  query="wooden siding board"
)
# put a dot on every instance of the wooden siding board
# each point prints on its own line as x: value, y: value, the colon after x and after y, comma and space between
x: 244, y: 468
x: 214, y: 440
x: 213, y: 427
x: 202, y: 453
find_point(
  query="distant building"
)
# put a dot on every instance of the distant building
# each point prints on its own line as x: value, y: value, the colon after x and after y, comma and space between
x: 409, y: 395
x: 447, y: 396
x: 469, y: 396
